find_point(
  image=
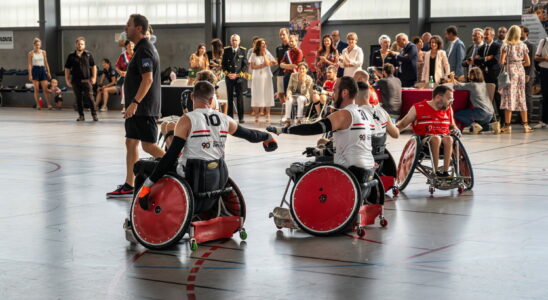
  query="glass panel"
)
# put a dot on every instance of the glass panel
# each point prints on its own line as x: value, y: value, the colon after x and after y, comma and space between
x: 470, y: 8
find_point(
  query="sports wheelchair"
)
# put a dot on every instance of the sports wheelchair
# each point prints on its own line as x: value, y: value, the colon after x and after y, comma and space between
x: 327, y: 198
x: 414, y: 157
x: 205, y: 203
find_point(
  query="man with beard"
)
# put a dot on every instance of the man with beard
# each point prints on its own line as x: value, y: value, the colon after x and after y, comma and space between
x: 433, y: 121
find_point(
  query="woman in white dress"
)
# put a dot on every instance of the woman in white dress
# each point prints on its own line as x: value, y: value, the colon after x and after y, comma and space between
x: 351, y: 58
x: 262, y: 90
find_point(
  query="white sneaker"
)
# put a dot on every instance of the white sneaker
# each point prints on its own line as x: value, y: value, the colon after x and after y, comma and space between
x: 540, y: 125
x: 123, y: 110
x: 103, y: 109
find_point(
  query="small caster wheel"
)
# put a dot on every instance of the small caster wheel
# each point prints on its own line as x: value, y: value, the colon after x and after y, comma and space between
x: 360, y: 232
x: 431, y: 190
x: 395, y: 191
x: 193, y: 245
x: 384, y: 222
x: 243, y: 234
x: 461, y: 190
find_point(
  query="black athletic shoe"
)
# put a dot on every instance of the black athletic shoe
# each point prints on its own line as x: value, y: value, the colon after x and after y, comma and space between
x: 443, y: 174
x: 241, y: 121
x: 122, y: 191
x: 95, y: 119
x: 81, y: 119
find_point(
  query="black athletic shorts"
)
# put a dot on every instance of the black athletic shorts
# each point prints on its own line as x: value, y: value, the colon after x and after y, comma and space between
x: 142, y: 128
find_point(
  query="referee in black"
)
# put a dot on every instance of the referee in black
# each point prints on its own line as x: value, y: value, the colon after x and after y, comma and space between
x: 142, y: 91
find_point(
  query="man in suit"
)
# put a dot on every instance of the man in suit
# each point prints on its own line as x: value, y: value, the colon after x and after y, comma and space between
x: 455, y: 51
x: 234, y: 63
x: 529, y: 71
x: 487, y: 59
x: 390, y: 88
x: 425, y: 37
x: 472, y: 51
x: 408, y: 60
x: 340, y: 46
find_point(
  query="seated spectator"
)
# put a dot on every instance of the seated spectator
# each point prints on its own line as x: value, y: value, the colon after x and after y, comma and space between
x: 57, y: 94
x: 121, y: 67
x: 390, y: 90
x: 215, y: 56
x: 300, y: 89
x: 327, y: 89
x: 436, y: 65
x: 352, y: 56
x: 363, y: 76
x: 327, y: 56
x: 478, y: 117
x: 108, y: 87
x: 382, y: 56
x: 420, y: 62
x: 198, y: 62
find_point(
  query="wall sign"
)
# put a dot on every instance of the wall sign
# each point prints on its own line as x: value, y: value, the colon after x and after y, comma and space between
x: 6, y: 39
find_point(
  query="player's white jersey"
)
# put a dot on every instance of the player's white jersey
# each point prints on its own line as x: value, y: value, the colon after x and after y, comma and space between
x: 353, y: 145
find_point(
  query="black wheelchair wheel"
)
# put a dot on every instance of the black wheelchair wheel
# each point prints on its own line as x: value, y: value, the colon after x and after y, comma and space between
x: 408, y: 162
x: 465, y: 165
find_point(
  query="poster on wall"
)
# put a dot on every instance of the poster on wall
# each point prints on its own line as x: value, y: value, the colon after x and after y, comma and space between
x: 305, y: 23
x: 535, y: 17
x: 6, y: 39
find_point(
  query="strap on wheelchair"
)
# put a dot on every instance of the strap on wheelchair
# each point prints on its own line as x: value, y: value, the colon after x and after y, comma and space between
x: 207, y: 179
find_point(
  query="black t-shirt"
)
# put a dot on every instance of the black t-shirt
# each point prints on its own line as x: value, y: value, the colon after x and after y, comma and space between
x: 280, y: 52
x: 80, y: 66
x: 109, y: 74
x: 145, y: 59
x: 432, y: 68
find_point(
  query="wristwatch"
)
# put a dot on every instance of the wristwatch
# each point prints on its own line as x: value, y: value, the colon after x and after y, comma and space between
x: 135, y: 101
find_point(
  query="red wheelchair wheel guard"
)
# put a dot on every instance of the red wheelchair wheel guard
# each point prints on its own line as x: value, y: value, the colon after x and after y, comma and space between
x: 167, y: 221
x: 408, y: 162
x: 465, y: 166
x: 325, y: 200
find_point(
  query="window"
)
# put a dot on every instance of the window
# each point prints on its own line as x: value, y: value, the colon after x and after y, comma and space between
x: 474, y: 8
x: 373, y: 10
x: 116, y: 12
x: 20, y: 13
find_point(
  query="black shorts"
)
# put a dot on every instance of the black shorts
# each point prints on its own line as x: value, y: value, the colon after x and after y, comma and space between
x: 142, y: 128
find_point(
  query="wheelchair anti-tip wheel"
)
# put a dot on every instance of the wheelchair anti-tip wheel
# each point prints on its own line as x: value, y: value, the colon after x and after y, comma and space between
x: 168, y: 219
x: 325, y: 200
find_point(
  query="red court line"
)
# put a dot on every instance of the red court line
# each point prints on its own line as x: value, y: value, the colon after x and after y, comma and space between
x: 192, y: 278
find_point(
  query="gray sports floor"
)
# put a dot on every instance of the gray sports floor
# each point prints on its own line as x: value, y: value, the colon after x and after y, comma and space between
x: 61, y: 239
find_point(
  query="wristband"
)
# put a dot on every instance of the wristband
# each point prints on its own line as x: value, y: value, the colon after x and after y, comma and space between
x: 135, y: 101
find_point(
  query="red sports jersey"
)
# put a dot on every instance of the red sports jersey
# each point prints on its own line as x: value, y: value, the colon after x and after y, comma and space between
x: 430, y: 121
x: 373, y: 98
x: 328, y: 85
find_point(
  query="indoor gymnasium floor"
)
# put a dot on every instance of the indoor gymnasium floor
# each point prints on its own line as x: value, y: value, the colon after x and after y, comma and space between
x: 61, y: 239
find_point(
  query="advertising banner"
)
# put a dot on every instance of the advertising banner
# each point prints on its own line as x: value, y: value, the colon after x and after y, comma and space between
x: 305, y: 23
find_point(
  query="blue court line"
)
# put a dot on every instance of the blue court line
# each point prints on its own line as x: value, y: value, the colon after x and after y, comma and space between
x: 244, y: 267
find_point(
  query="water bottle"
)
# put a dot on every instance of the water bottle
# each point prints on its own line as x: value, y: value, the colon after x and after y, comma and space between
x: 431, y: 82
x: 40, y: 102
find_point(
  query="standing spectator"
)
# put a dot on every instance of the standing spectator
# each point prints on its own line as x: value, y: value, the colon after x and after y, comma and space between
x: 340, y: 46
x: 480, y: 115
x: 121, y: 68
x: 420, y: 54
x: 291, y: 59
x: 436, y: 64
x: 250, y: 81
x: 472, y: 51
x: 80, y: 75
x: 108, y: 74
x: 300, y: 89
x: 530, y: 70
x: 408, y: 60
x: 215, y: 56
x: 383, y: 55
x: 198, y: 61
x: 487, y: 60
x: 352, y: 57
x: 39, y: 72
x: 501, y: 34
x: 262, y: 91
x: 514, y: 56
x: 280, y: 53
x: 455, y: 51
x: 541, y: 56
x: 390, y: 89
x: 142, y: 88
x: 425, y: 37
x: 327, y: 56
x: 234, y: 64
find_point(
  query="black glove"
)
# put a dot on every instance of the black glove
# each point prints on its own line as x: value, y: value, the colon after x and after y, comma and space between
x: 270, y: 144
x: 276, y: 130
x: 311, y: 151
